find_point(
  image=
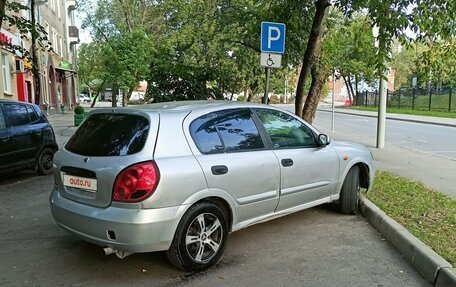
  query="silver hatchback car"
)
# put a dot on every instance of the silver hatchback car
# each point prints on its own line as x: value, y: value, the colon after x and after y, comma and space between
x: 180, y: 176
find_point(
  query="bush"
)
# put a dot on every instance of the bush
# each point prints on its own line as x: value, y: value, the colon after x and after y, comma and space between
x: 79, y: 110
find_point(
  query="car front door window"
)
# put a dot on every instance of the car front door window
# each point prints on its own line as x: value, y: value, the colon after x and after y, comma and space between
x: 285, y: 131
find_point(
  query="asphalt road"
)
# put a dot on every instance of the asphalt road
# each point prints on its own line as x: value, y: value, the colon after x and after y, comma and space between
x: 428, y: 139
x: 424, y: 138
x: 316, y: 247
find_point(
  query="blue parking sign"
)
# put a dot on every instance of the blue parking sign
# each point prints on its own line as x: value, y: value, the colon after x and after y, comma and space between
x: 272, y: 37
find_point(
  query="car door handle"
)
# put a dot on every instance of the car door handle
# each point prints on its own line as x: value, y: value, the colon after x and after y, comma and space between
x: 219, y: 169
x: 287, y: 162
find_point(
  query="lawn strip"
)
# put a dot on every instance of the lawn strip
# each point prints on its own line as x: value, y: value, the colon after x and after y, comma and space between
x: 427, y: 214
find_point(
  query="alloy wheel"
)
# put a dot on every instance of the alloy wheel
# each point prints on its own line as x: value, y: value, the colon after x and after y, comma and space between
x: 204, y: 237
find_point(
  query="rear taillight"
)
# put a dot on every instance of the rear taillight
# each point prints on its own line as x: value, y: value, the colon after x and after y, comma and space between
x: 136, y: 183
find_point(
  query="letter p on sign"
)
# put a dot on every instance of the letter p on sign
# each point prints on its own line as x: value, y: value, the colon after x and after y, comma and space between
x: 272, y: 37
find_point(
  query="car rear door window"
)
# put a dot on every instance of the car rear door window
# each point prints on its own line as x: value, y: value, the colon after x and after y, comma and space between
x: 110, y: 135
x: 226, y: 131
x: 16, y: 114
x: 284, y: 130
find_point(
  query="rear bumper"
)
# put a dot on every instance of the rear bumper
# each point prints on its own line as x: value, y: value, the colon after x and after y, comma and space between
x: 135, y: 230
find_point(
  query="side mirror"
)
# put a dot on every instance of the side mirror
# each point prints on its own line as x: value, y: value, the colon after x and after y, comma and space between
x: 323, y: 140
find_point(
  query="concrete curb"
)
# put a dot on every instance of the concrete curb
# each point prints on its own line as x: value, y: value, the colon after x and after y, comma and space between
x: 394, y: 118
x: 433, y: 267
x: 446, y: 278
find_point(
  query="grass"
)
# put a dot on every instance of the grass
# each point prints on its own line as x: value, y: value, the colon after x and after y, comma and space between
x: 427, y: 214
x: 442, y: 114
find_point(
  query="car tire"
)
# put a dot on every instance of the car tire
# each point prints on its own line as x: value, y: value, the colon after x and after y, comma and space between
x: 45, y: 161
x: 200, y: 238
x: 349, y: 194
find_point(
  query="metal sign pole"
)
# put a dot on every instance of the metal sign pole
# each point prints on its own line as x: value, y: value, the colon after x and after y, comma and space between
x: 381, y: 120
x: 265, y: 97
x: 333, y: 99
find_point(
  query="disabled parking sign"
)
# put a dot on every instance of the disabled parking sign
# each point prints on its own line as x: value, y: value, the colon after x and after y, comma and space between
x: 272, y: 37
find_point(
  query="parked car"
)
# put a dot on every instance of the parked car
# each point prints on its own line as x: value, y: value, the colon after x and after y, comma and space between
x: 27, y: 140
x: 82, y: 98
x: 180, y: 176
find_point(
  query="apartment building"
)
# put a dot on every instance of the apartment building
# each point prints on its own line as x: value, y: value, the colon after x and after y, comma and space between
x: 57, y: 66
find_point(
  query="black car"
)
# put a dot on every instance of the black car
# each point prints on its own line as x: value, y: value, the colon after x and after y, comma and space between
x: 27, y: 140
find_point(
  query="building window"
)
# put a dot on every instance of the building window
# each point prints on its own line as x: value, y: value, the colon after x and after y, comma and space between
x: 6, y: 74
x: 46, y: 28
x: 60, y: 46
x: 52, y: 5
x: 57, y: 4
x: 54, y: 41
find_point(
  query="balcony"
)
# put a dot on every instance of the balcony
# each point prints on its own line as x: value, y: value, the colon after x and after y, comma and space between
x: 73, y: 35
x: 71, y: 5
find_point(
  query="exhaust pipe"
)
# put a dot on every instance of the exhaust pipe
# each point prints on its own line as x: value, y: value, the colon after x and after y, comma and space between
x: 108, y: 251
x: 121, y: 254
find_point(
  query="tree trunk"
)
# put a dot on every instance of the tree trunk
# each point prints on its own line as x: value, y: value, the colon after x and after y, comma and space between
x: 98, y: 93
x: 115, y: 93
x: 249, y: 98
x: 356, y: 89
x: 319, y: 75
x: 35, y: 62
x: 348, y: 85
x: 2, y: 10
x: 319, y: 78
x: 253, y: 90
x: 130, y: 92
x: 351, y: 89
x: 126, y: 95
x: 317, y: 24
x: 246, y: 91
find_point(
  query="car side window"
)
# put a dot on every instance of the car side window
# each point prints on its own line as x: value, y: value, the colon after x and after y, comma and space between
x: 226, y: 131
x: 284, y: 130
x: 32, y: 114
x: 16, y: 114
x: 2, y: 119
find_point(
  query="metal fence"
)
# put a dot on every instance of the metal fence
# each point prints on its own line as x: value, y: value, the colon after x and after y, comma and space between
x: 443, y: 99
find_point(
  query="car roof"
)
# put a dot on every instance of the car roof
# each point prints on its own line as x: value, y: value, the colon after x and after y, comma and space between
x: 15, y: 102
x: 188, y: 106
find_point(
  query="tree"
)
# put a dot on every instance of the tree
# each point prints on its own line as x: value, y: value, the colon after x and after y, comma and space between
x: 9, y: 12
x: 351, y: 51
x: 128, y: 31
x: 427, y: 18
x: 93, y: 60
x: 437, y: 63
x: 321, y: 7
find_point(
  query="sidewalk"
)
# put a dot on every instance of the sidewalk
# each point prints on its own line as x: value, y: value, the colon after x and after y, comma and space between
x: 398, y: 117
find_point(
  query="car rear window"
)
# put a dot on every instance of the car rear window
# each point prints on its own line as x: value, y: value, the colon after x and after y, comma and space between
x: 110, y: 135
